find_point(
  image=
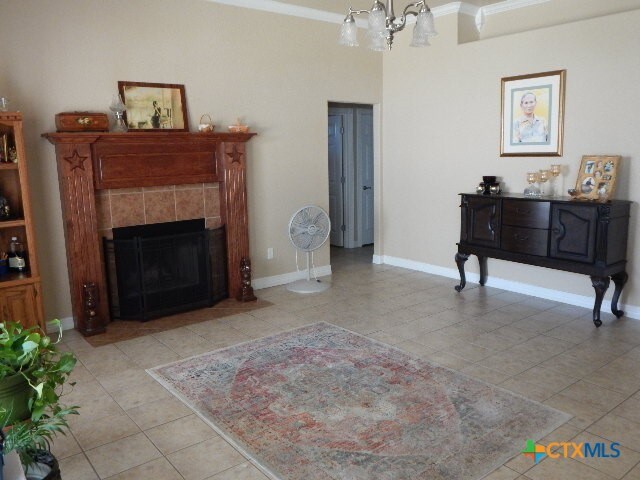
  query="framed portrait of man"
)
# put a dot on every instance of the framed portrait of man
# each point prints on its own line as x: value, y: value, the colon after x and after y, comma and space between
x: 532, y: 115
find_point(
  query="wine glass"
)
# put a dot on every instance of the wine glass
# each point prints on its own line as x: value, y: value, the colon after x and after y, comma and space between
x: 532, y: 190
x: 543, y: 177
x: 555, y: 172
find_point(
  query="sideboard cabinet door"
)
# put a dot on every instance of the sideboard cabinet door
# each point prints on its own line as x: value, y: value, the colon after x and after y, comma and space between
x: 573, y: 232
x: 482, y: 221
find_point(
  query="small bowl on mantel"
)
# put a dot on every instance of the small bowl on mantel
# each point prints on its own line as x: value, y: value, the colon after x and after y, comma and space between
x: 239, y: 128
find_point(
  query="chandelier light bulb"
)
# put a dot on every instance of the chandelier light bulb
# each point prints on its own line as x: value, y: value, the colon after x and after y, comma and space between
x: 377, y: 20
x: 377, y: 42
x: 425, y: 20
x: 349, y: 32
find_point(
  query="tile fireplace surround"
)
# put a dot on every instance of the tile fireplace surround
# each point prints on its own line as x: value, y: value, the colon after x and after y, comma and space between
x: 110, y: 180
x: 123, y: 207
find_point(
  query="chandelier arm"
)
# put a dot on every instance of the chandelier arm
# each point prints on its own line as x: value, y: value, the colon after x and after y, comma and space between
x: 397, y: 26
x: 419, y: 5
x: 357, y: 12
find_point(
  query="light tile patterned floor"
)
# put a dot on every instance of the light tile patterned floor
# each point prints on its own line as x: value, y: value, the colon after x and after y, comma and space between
x: 131, y: 428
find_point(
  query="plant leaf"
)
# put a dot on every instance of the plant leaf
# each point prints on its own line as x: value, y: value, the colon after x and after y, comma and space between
x: 38, y: 388
x: 66, y: 363
x: 29, y: 346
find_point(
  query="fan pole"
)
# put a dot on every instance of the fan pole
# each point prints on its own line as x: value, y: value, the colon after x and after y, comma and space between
x: 308, y: 266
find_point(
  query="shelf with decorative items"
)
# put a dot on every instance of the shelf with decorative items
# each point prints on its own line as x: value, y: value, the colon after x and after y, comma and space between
x: 20, y: 283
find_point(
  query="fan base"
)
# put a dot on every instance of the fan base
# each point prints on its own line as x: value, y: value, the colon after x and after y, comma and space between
x: 308, y: 286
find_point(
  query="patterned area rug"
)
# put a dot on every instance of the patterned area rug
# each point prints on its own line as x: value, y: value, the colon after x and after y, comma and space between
x: 324, y: 403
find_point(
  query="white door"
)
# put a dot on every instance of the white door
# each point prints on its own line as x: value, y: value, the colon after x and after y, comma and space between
x: 336, y: 178
x: 364, y: 135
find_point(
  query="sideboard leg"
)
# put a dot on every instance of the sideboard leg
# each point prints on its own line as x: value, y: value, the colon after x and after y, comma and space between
x: 483, y: 270
x: 600, y: 285
x: 619, y: 279
x: 460, y: 259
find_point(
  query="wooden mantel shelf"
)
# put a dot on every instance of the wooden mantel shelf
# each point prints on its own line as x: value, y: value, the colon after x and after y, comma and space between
x: 91, y: 161
x: 145, y: 137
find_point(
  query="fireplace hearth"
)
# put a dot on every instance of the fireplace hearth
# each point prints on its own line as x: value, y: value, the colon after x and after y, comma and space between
x: 164, y: 268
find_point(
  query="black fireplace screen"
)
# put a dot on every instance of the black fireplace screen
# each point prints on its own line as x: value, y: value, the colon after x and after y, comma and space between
x: 160, y: 269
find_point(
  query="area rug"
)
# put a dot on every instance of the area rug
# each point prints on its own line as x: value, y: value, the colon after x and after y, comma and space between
x: 324, y: 403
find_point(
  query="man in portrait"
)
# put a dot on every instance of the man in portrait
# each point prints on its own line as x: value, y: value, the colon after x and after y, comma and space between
x: 529, y: 128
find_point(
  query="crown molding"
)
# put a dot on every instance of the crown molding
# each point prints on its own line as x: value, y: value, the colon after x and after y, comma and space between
x: 509, y: 5
x: 274, y: 6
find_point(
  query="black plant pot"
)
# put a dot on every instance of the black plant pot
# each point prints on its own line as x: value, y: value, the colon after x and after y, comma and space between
x: 45, y: 468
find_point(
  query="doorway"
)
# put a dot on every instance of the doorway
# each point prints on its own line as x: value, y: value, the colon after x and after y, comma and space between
x: 351, y: 193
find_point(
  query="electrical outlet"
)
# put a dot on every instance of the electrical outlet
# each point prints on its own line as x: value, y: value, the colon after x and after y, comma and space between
x: 269, y: 253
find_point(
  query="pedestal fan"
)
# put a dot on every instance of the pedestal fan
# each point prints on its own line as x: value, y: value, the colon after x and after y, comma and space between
x: 309, y: 228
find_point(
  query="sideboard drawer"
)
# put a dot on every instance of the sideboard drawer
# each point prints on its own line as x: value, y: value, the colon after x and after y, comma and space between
x: 525, y: 240
x: 523, y: 213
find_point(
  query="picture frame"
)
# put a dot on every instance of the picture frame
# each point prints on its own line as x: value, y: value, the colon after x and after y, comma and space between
x: 597, y: 177
x: 532, y: 115
x: 159, y: 107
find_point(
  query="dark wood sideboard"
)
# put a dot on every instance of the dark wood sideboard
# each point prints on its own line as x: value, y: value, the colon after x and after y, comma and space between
x: 559, y: 233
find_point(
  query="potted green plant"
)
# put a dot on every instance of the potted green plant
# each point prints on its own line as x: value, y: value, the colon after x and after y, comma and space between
x: 33, y: 374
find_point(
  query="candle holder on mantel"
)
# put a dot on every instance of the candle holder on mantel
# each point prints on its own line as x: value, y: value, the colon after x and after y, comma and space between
x: 118, y: 108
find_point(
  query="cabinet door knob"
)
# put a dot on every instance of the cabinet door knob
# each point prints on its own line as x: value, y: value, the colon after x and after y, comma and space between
x: 520, y: 238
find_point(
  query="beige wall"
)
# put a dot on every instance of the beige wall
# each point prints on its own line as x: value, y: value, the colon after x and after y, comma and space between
x: 441, y: 123
x: 440, y: 117
x: 276, y: 72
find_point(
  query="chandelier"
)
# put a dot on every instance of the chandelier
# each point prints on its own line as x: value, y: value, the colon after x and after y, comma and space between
x: 383, y: 25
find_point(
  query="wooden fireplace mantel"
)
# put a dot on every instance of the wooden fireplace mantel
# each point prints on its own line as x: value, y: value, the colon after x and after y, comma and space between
x: 91, y: 161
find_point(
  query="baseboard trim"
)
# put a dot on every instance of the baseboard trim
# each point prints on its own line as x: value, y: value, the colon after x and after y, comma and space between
x: 66, y: 324
x: 275, y: 280
x: 631, y: 311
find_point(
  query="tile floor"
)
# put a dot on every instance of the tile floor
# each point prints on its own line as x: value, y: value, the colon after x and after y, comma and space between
x: 131, y: 428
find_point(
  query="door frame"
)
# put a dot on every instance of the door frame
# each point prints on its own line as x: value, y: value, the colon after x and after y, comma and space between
x: 349, y: 239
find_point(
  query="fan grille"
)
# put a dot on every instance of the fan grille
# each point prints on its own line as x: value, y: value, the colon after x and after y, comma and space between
x: 309, y: 228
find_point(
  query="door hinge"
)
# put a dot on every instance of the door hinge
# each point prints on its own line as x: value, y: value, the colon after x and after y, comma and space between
x: 343, y: 228
x: 341, y: 130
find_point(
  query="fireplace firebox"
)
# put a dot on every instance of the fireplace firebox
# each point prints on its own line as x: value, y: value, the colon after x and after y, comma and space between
x: 164, y: 268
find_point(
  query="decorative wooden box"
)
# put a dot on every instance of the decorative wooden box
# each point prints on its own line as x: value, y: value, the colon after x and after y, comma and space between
x: 82, y: 122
